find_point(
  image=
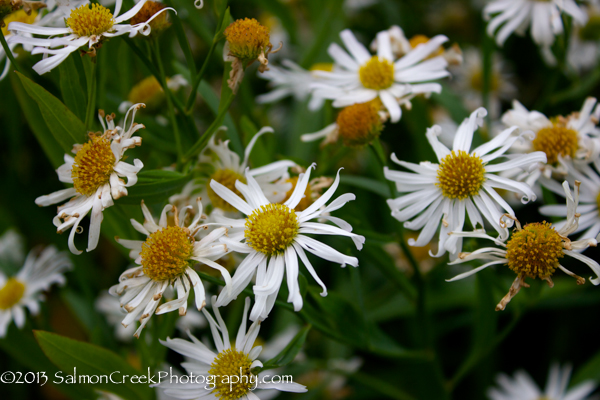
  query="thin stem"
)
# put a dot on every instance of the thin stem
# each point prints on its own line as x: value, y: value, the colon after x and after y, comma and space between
x: 91, y: 91
x: 198, y: 78
x: 8, y: 52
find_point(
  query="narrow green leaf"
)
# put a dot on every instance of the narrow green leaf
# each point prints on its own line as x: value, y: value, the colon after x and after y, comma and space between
x: 79, y: 358
x: 155, y: 186
x: 66, y: 128
x: 369, y: 184
x: 290, y: 351
x: 72, y: 93
x: 589, y: 371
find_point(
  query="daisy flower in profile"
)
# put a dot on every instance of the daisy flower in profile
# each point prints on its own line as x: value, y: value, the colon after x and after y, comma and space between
x: 534, y: 250
x: 166, y: 258
x: 86, y: 25
x: 574, y: 136
x: 544, y: 16
x: 95, y: 173
x: 42, y: 268
x: 522, y: 387
x: 463, y: 183
x: 362, y: 77
x: 274, y: 235
x: 215, y: 369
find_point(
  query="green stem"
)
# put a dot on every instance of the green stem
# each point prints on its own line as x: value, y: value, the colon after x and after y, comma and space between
x: 8, y: 52
x: 198, y: 78
x: 91, y: 91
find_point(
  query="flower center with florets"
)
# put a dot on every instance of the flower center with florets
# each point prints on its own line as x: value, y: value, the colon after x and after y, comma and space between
x: 376, y: 74
x: 534, y: 250
x: 556, y: 140
x: 94, y: 162
x: 166, y: 253
x: 150, y: 8
x: 227, y: 178
x: 460, y: 175
x: 11, y: 293
x: 247, y: 39
x: 147, y: 91
x: 92, y: 21
x: 359, y: 124
x: 306, y: 200
x: 271, y: 229
x: 18, y: 16
x: 227, y: 364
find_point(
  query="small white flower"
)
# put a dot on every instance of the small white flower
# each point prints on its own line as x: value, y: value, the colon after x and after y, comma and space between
x: 522, y: 252
x: 231, y: 359
x: 522, y: 387
x: 41, y: 269
x: 274, y: 235
x: 166, y: 258
x: 362, y: 77
x: 544, y: 16
x: 463, y: 184
x: 584, y: 48
x: 95, y: 173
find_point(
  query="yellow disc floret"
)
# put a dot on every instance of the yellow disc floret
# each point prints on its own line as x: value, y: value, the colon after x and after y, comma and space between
x: 150, y: 8
x: 227, y: 178
x: 166, y: 253
x: 90, y: 21
x: 460, y: 175
x: 94, y: 162
x: 11, y: 293
x: 377, y: 74
x: 147, y: 91
x: 360, y: 124
x: 306, y: 200
x: 18, y: 16
x: 534, y: 250
x: 422, y: 39
x: 556, y: 140
x: 227, y: 364
x: 247, y: 39
x: 271, y: 229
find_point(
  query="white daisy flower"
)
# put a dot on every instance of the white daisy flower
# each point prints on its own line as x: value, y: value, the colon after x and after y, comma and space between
x: 42, y: 268
x: 273, y: 237
x: 522, y: 387
x: 522, y: 252
x: 363, y: 77
x: 544, y: 16
x: 463, y: 184
x: 584, y: 48
x: 215, y: 369
x: 589, y: 221
x: 574, y: 136
x: 85, y: 26
x: 166, y: 258
x: 95, y: 173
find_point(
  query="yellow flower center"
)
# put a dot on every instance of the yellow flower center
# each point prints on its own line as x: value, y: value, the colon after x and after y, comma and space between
x: 247, y: 39
x: 377, y: 74
x: 271, y: 229
x: 534, y: 250
x: 422, y: 39
x: 166, y: 253
x: 94, y: 162
x: 227, y: 364
x: 92, y: 21
x: 359, y: 124
x: 227, y: 178
x: 18, y: 16
x: 460, y: 175
x: 158, y: 24
x: 11, y: 293
x: 476, y: 81
x: 306, y: 200
x: 147, y: 91
x: 556, y: 140
x: 322, y: 67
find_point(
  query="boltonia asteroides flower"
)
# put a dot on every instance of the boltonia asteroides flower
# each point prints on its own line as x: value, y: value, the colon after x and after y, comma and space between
x: 463, y: 183
x: 166, y: 258
x: 274, y: 235
x: 534, y: 250
x: 95, y: 173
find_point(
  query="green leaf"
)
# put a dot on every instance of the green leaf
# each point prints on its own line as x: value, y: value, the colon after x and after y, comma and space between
x: 66, y: 128
x: 155, y: 186
x: 589, y: 371
x: 80, y: 358
x: 290, y: 351
x: 70, y: 87
x: 369, y: 184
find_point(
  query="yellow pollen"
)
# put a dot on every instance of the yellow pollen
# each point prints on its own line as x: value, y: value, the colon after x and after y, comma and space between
x: 227, y: 364
x: 147, y: 91
x: 92, y: 21
x: 557, y: 140
x: 377, y: 74
x: 11, y: 293
x: 18, y: 16
x: 306, y: 200
x: 360, y: 124
x: 271, y: 229
x: 460, y: 175
x: 166, y: 253
x: 322, y: 67
x: 422, y: 39
x: 227, y: 178
x: 93, y: 165
x: 247, y: 39
x: 534, y: 250
x: 158, y: 24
